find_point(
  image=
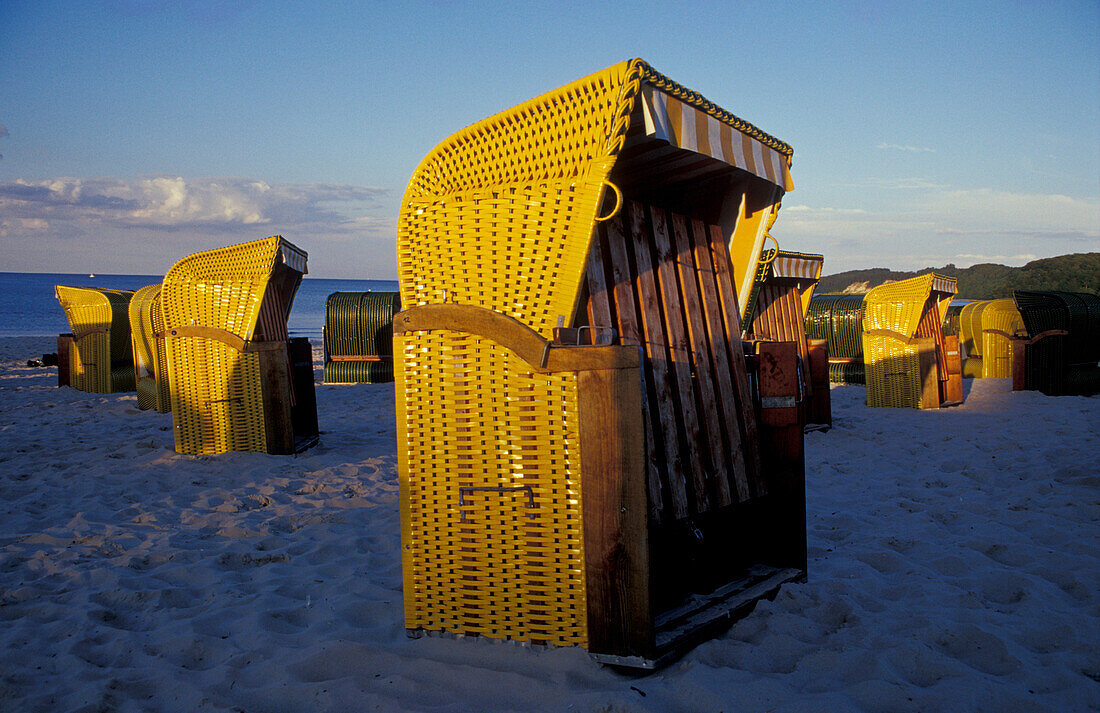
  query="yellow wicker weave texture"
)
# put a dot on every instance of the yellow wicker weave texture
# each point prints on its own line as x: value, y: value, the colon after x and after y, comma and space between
x: 970, y: 327
x: 143, y: 337
x: 479, y: 559
x: 99, y: 318
x: 216, y: 394
x: 160, y: 350
x: 1002, y: 316
x: 891, y: 364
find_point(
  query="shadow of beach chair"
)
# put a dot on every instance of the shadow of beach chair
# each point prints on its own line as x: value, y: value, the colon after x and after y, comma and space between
x: 359, y: 337
x: 574, y: 272
x: 237, y: 381
x: 905, y: 357
x: 99, y: 354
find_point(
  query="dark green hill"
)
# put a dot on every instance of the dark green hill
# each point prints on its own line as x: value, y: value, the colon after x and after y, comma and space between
x: 1079, y: 272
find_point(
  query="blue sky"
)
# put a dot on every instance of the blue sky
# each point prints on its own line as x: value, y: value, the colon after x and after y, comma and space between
x: 133, y: 133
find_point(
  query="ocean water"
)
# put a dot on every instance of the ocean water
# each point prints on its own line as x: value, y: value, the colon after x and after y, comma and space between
x: 29, y: 308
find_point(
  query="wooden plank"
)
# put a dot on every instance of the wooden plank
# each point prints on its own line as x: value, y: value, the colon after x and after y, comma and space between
x: 929, y: 373
x: 64, y: 357
x: 659, y: 469
x: 723, y: 272
x: 696, y: 240
x: 599, y: 304
x: 1019, y: 363
x: 680, y: 353
x: 303, y: 413
x: 681, y: 253
x: 953, y: 391
x: 616, y: 547
x: 657, y: 353
x: 782, y: 444
x: 275, y: 388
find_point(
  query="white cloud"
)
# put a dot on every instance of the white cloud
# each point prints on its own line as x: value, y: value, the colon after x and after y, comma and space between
x: 163, y: 218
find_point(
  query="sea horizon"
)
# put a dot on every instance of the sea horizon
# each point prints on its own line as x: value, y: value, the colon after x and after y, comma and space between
x: 29, y: 307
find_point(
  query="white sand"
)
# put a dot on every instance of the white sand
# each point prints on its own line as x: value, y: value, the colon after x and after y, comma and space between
x: 954, y: 566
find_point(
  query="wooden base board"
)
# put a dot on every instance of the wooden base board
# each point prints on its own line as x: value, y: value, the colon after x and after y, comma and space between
x: 682, y: 628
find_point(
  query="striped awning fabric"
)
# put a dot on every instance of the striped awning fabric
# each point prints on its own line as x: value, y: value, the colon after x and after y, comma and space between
x: 668, y: 118
x: 947, y: 285
x: 293, y: 257
x: 788, y: 264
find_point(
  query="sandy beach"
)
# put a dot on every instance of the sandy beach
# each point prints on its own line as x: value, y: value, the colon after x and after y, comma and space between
x: 954, y: 566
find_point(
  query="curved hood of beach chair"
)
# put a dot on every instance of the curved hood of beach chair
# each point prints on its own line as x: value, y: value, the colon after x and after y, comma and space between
x: 501, y: 214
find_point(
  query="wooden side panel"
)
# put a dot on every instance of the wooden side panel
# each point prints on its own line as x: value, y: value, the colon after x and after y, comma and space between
x: 1019, y: 364
x: 304, y: 410
x: 782, y: 445
x: 953, y: 388
x: 64, y: 356
x: 275, y: 388
x: 929, y: 372
x: 613, y: 496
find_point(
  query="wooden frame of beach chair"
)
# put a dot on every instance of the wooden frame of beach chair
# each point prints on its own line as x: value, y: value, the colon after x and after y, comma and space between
x: 581, y: 461
x: 150, y: 361
x: 100, y: 356
x: 905, y: 358
x: 837, y: 319
x: 359, y: 336
x: 784, y: 286
x: 1058, y: 351
x: 237, y: 381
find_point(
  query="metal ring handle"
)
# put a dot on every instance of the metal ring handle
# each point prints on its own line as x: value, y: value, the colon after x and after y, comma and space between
x: 618, y: 204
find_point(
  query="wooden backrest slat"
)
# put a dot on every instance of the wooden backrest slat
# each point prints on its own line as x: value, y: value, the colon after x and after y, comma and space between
x: 694, y: 248
x: 658, y: 357
x: 655, y: 237
x: 659, y: 464
x: 723, y: 271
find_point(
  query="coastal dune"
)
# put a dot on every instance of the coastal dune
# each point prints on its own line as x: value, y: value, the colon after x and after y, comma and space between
x: 954, y: 566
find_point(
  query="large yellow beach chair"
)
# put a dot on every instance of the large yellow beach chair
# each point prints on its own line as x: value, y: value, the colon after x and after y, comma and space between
x: 987, y: 329
x: 150, y: 360
x: 904, y: 355
x: 785, y: 283
x: 237, y: 381
x: 581, y: 462
x: 100, y: 358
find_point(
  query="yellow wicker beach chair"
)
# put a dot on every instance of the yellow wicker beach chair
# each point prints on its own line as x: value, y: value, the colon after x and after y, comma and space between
x: 150, y: 361
x: 903, y: 348
x: 785, y: 284
x: 988, y: 328
x: 100, y: 359
x: 578, y: 446
x: 234, y: 386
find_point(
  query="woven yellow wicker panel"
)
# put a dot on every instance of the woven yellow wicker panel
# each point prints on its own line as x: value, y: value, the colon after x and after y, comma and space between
x: 493, y: 523
x: 216, y: 394
x: 145, y: 346
x: 970, y: 327
x: 101, y: 360
x: 1000, y: 319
